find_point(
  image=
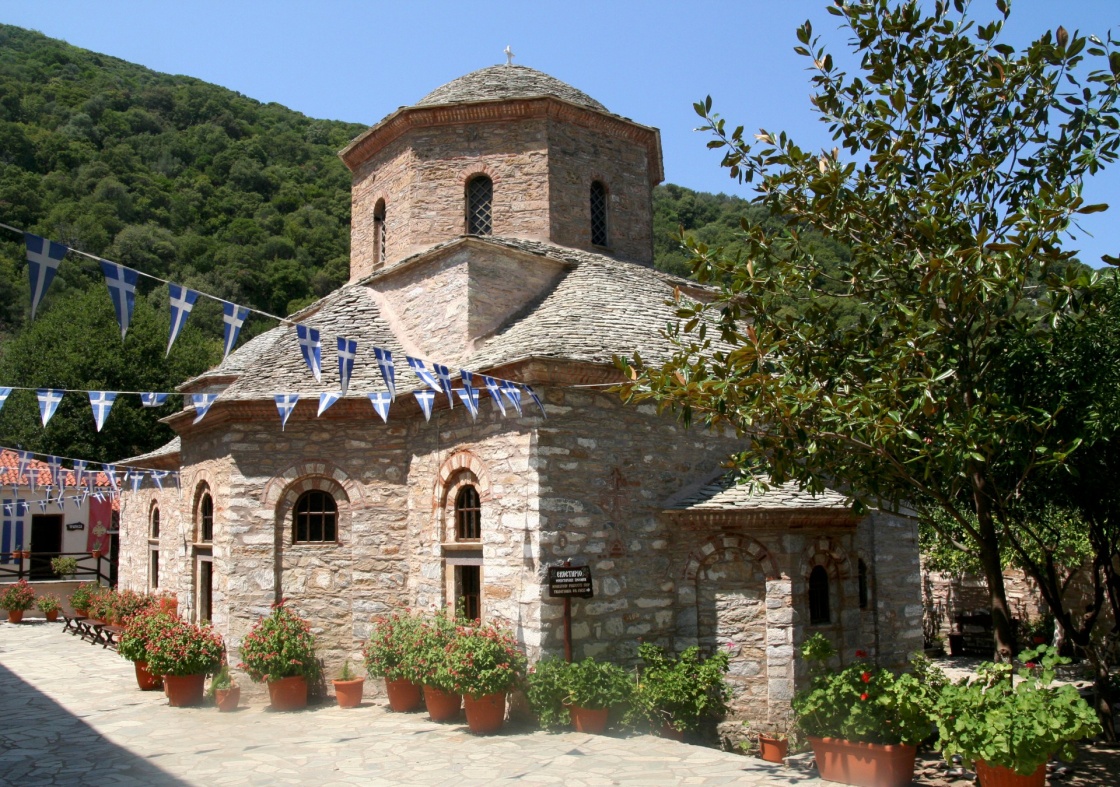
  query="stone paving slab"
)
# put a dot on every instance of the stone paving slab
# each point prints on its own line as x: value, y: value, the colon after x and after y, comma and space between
x: 70, y: 714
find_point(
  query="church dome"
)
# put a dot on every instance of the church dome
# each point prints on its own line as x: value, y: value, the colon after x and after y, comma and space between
x: 495, y: 83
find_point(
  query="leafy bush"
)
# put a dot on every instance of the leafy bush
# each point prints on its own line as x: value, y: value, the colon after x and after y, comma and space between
x: 126, y: 603
x: 547, y: 690
x: 141, y: 629
x: 18, y: 597
x: 48, y: 602
x: 394, y: 648
x: 64, y: 566
x: 100, y: 604
x: 596, y: 685
x: 82, y: 596
x: 182, y: 648
x: 222, y: 681
x: 679, y: 693
x: 484, y: 659
x: 433, y: 639
x: 279, y: 646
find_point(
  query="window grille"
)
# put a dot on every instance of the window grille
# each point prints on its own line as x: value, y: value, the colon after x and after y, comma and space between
x: 480, y: 196
x: 468, y: 515
x: 598, y: 214
x: 819, y: 612
x: 315, y: 518
x: 470, y: 592
x: 206, y: 517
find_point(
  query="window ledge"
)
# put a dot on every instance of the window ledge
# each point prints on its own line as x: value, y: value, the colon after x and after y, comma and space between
x: 461, y: 546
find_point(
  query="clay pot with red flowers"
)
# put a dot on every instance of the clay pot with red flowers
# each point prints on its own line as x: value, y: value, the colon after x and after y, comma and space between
x: 17, y: 599
x: 483, y: 663
x: 183, y: 653
x: 399, y: 651
x: 280, y: 651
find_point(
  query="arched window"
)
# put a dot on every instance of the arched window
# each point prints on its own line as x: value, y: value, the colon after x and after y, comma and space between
x: 153, y: 548
x: 154, y: 530
x: 818, y: 597
x: 863, y: 600
x: 315, y: 518
x: 468, y: 515
x: 379, y: 233
x: 206, y: 518
x: 480, y: 198
x: 598, y: 214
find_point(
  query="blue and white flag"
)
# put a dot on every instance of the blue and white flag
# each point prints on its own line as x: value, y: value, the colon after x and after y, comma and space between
x: 61, y: 502
x: 121, y: 282
x: 24, y: 461
x: 381, y: 401
x: 99, y: 496
x: 388, y: 371
x: 422, y: 372
x: 533, y: 395
x: 495, y: 392
x: 326, y: 400
x: 311, y: 349
x: 55, y: 465
x: 101, y: 402
x: 158, y: 476
x: 202, y: 404
x: 137, y: 478
x: 347, y: 352
x: 285, y: 403
x: 470, y: 399
x: 79, y: 473
x: 43, y: 257
x: 513, y: 393
x: 152, y: 399
x: 48, y: 402
x: 426, y: 400
x: 467, y: 378
x: 182, y: 301
x: 4, y: 396
x: 43, y: 504
x: 111, y: 473
x: 444, y: 376
x: 233, y: 317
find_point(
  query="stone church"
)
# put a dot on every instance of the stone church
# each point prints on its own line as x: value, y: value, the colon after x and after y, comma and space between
x: 503, y: 225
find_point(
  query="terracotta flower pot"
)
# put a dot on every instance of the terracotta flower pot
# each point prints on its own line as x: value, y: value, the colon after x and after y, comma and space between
x: 442, y: 705
x: 485, y: 715
x: 288, y: 693
x: 590, y: 720
x: 772, y: 749
x: 51, y: 616
x: 15, y: 615
x: 1001, y: 776
x: 96, y: 553
x: 145, y: 679
x: 349, y: 692
x: 184, y: 691
x: 864, y: 764
x: 670, y: 732
x: 404, y: 695
x: 81, y: 612
x: 227, y: 699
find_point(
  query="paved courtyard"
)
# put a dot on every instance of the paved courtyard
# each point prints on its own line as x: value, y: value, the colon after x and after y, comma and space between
x: 70, y: 713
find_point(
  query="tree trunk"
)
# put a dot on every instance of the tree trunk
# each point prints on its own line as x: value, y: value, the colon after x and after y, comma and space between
x: 993, y: 572
x: 1102, y: 691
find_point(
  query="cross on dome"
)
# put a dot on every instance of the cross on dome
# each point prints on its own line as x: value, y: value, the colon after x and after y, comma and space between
x: 509, y: 55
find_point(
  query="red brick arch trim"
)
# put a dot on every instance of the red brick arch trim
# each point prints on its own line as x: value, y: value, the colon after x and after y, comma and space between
x: 825, y: 551
x: 730, y: 547
x: 291, y: 493
x: 471, y: 171
x: 348, y: 489
x: 460, y: 463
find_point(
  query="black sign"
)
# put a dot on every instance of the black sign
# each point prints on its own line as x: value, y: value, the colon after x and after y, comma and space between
x: 569, y: 582
x: 76, y: 526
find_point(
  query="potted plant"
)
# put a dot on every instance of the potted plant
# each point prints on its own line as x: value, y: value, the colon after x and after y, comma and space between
x: 101, y: 604
x: 81, y: 597
x: 1009, y: 721
x: 17, y: 599
x: 49, y: 604
x: 864, y: 722
x: 126, y: 603
x: 348, y: 687
x: 547, y: 692
x: 280, y: 651
x: 226, y: 693
x: 773, y: 746
x: 168, y: 603
x: 593, y: 688
x: 433, y: 638
x: 184, y: 654
x: 674, y: 695
x: 133, y: 645
x: 394, y: 653
x: 65, y: 567
x: 484, y: 662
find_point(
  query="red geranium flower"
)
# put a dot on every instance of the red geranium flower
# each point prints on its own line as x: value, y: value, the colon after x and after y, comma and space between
x: 863, y: 696
x: 861, y: 654
x: 865, y: 677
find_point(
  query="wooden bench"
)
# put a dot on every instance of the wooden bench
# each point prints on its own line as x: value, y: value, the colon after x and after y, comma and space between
x: 111, y: 636
x: 93, y: 630
x: 73, y: 623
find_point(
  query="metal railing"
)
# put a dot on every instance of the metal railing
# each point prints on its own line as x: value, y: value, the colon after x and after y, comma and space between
x: 36, y: 567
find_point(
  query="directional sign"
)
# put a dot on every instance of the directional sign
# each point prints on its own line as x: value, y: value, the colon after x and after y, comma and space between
x: 569, y: 582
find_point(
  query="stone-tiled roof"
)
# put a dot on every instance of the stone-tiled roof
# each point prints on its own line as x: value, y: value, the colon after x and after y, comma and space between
x: 506, y: 82
x: 725, y: 494
x: 167, y: 449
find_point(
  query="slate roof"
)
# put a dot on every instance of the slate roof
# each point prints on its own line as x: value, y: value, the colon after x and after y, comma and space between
x: 167, y: 449
x: 724, y: 494
x: 506, y: 82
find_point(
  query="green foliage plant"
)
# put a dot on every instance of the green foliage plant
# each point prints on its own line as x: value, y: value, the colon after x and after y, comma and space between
x: 547, y: 692
x: 126, y: 603
x: 182, y: 648
x: 433, y: 644
x: 863, y: 703
x: 395, y: 649
x: 596, y: 685
x: 681, y: 692
x: 346, y: 673
x: 1014, y: 717
x: 64, y: 566
x: 279, y: 646
x: 18, y: 597
x: 82, y: 595
x: 141, y: 628
x: 222, y: 681
x: 484, y: 659
x: 100, y: 604
x: 48, y: 602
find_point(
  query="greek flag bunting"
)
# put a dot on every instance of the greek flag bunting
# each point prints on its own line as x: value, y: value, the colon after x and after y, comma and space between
x: 158, y: 476
x: 470, y: 399
x: 24, y: 461
x: 444, y: 376
x: 388, y: 371
x: 79, y: 473
x: 121, y: 282
x: 381, y: 401
x: 421, y: 371
x: 43, y: 257
x: 202, y: 403
x: 533, y: 395
x: 55, y: 465
x: 48, y: 402
x: 347, y: 352
x: 513, y: 393
x: 4, y: 396
x: 326, y: 400
x: 182, y: 301
x: 137, y: 478
x: 233, y: 317
x: 111, y: 473
x: 426, y: 400
x: 311, y: 349
x: 152, y: 399
x: 285, y: 403
x: 61, y: 502
x: 43, y: 504
x: 495, y: 392
x: 101, y: 402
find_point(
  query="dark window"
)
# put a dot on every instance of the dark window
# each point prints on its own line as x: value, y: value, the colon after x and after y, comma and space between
x: 470, y: 592
x: 153, y: 567
x: 818, y: 597
x: 598, y: 214
x: 379, y: 232
x: 206, y: 518
x: 155, y: 523
x: 468, y: 515
x: 314, y: 518
x: 862, y: 585
x: 480, y: 197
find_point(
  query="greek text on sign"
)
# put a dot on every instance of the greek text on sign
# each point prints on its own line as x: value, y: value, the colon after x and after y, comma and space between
x: 569, y: 582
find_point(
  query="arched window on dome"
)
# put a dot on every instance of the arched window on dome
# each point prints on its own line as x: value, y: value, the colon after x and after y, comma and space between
x: 819, y: 612
x: 598, y: 214
x: 480, y: 199
x: 379, y: 234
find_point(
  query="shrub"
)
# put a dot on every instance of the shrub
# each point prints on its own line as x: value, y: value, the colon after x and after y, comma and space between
x: 141, y: 629
x: 394, y: 649
x: 279, y: 646
x: 100, y: 604
x: 596, y: 685
x: 433, y: 639
x: 64, y: 566
x: 484, y: 659
x: 48, y: 602
x: 547, y: 692
x: 126, y: 603
x: 182, y: 648
x: 83, y: 593
x: 18, y: 597
x: 681, y: 692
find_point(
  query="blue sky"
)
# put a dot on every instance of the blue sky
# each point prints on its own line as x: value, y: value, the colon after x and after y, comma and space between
x: 649, y: 61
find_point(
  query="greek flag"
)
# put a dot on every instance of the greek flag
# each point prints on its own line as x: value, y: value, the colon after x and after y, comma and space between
x: 311, y: 349
x: 110, y: 473
x: 101, y: 402
x: 43, y: 257
x: 43, y: 504
x: 48, y: 402
x: 444, y: 376
x: 24, y: 461
x: 61, y: 501
x: 381, y: 402
x: 470, y: 399
x: 326, y: 400
x: 495, y: 392
x: 233, y: 317
x: 513, y: 393
x: 422, y: 372
x: 4, y: 396
x: 79, y: 472
x: 388, y: 371
x: 158, y: 476
x: 55, y: 464
x: 285, y: 403
x: 202, y: 404
x: 182, y: 301
x: 121, y: 282
x: 152, y: 399
x: 426, y: 400
x: 347, y: 352
x: 533, y: 395
x: 136, y: 478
